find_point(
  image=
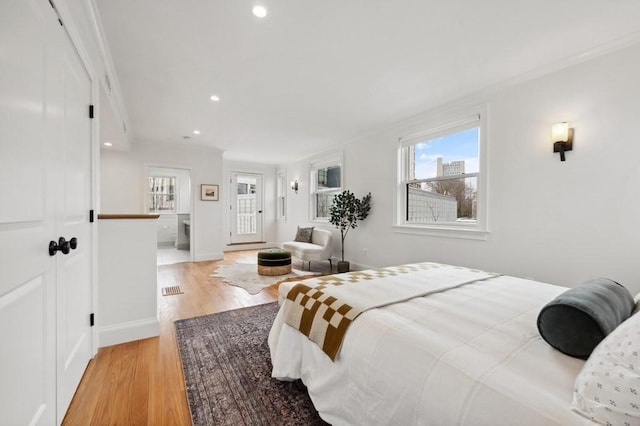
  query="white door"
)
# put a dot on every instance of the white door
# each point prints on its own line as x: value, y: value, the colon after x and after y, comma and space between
x: 246, y: 208
x: 36, y: 180
x: 69, y: 130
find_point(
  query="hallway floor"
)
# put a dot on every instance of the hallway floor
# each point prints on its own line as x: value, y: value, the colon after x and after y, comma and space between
x: 171, y: 255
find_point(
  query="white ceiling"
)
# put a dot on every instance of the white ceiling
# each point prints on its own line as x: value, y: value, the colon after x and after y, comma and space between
x: 320, y: 73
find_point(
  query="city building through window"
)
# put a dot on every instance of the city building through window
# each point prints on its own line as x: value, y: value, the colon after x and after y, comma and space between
x: 441, y: 175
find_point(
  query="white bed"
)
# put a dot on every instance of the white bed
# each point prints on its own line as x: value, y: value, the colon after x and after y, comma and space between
x: 469, y: 355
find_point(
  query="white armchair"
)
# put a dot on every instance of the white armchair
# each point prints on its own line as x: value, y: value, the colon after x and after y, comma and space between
x: 320, y: 247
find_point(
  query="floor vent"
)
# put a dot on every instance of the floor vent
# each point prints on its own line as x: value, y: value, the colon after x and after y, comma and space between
x: 171, y: 291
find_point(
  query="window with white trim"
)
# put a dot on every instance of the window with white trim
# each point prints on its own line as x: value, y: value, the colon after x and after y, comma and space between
x: 441, y: 184
x: 281, y: 195
x: 326, y: 183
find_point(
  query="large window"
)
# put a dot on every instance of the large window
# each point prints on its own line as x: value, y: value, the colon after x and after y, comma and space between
x: 162, y: 194
x: 441, y: 176
x: 326, y: 183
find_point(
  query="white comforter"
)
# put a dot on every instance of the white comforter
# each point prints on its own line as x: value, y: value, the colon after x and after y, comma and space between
x: 467, y: 356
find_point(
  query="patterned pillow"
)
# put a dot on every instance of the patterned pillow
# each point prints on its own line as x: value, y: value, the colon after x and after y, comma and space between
x: 304, y: 235
x: 607, y: 390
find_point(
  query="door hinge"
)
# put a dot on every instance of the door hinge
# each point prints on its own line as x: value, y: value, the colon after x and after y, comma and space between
x: 91, y: 216
x: 53, y: 6
x: 90, y: 111
x: 91, y: 319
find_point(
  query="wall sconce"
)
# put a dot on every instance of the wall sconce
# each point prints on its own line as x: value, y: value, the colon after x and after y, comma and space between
x: 294, y: 185
x: 562, y: 137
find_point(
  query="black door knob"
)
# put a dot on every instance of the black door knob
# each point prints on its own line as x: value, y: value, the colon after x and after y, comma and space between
x: 63, y: 245
x: 73, y: 243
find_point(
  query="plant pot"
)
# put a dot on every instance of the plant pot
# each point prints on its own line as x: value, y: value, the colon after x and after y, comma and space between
x: 343, y: 266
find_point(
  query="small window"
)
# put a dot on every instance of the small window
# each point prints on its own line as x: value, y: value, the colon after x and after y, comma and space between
x: 281, y: 195
x: 441, y: 176
x: 326, y: 183
x: 162, y: 194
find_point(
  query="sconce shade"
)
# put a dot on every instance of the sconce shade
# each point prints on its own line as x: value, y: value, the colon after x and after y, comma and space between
x: 560, y: 132
x: 562, y: 137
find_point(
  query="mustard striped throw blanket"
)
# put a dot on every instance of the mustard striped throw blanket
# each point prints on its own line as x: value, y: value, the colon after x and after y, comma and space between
x: 323, y: 308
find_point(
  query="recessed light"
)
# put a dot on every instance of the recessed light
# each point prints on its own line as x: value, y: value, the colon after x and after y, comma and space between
x: 108, y: 144
x: 260, y: 11
x: 196, y: 132
x: 215, y: 98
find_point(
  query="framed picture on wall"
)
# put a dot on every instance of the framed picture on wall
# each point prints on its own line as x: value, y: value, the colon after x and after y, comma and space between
x: 209, y: 192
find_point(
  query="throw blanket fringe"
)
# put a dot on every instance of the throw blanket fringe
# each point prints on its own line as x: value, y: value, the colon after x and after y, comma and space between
x: 323, y: 308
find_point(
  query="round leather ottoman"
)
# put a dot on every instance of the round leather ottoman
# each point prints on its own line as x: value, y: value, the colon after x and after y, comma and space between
x: 274, y: 262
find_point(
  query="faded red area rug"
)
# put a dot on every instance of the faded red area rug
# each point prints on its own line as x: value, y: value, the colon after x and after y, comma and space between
x: 227, y: 371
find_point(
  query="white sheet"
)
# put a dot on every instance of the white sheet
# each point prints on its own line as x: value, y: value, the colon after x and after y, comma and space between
x: 468, y: 356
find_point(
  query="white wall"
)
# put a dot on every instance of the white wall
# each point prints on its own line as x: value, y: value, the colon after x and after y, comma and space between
x: 122, y: 177
x: 298, y: 203
x: 559, y: 222
x: 130, y: 269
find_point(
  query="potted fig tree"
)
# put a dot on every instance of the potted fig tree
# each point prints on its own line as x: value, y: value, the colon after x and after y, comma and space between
x: 345, y: 212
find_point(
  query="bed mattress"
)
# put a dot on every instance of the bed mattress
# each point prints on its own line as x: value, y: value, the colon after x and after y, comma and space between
x: 470, y: 355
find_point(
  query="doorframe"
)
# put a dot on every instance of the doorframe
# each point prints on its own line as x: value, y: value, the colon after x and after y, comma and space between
x: 192, y: 210
x: 231, y: 212
x: 77, y: 41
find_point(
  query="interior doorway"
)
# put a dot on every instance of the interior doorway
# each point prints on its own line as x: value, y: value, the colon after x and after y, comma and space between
x: 169, y: 194
x: 246, y: 208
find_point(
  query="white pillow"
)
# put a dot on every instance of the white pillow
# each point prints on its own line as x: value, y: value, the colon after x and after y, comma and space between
x: 607, y: 389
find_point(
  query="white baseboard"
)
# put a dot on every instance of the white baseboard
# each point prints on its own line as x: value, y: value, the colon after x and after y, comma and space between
x: 353, y: 266
x: 208, y: 256
x: 128, y: 332
x: 255, y: 246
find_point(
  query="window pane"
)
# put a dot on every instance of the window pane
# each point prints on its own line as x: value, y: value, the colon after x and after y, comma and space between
x: 246, y: 206
x: 452, y: 154
x: 281, y: 195
x: 323, y: 202
x: 451, y: 200
x: 162, y: 193
x: 329, y: 177
x: 280, y: 189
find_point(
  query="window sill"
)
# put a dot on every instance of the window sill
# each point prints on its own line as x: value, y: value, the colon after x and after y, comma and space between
x: 443, y: 231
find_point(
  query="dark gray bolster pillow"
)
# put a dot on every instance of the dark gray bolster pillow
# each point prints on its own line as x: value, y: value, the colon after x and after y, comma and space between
x: 578, y: 319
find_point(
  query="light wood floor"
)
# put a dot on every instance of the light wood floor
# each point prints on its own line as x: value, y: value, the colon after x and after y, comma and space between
x: 141, y: 383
